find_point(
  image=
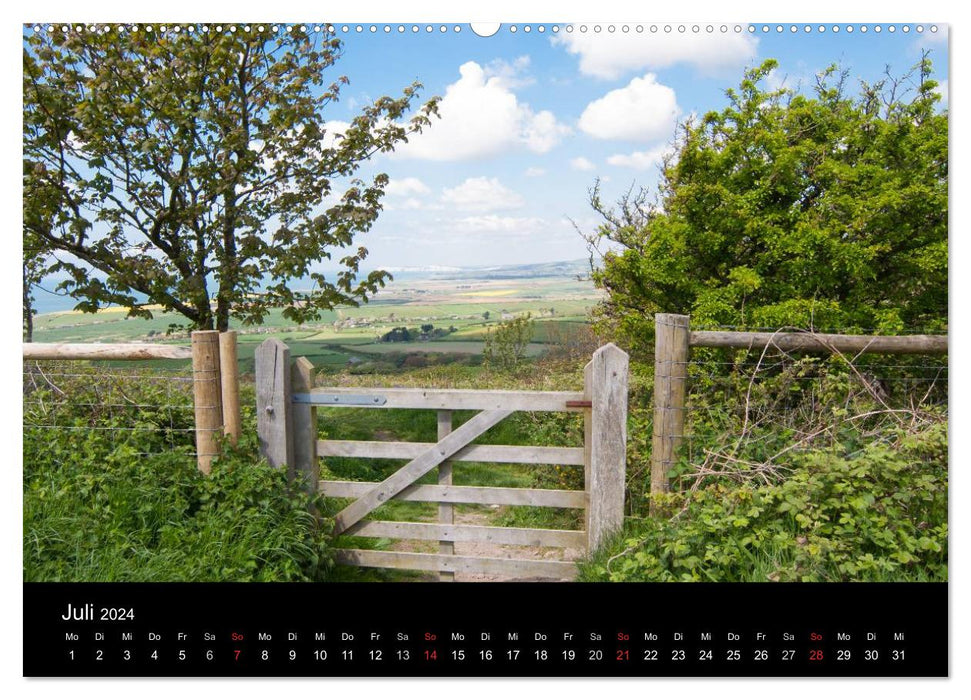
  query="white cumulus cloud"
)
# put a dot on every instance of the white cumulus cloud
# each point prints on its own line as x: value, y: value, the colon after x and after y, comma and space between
x: 480, y: 116
x: 510, y: 74
x: 333, y: 130
x: 493, y: 223
x: 406, y: 187
x: 482, y: 194
x: 610, y: 56
x: 534, y: 172
x: 640, y: 160
x: 644, y: 110
x: 582, y: 163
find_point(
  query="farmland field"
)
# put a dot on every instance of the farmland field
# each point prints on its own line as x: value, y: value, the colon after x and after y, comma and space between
x: 464, y: 308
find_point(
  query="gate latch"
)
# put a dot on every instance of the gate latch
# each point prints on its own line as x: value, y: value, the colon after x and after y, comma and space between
x: 340, y: 399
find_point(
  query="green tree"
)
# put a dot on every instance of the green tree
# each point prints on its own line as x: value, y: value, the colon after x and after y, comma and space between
x: 507, y: 342
x: 822, y: 210
x: 196, y: 168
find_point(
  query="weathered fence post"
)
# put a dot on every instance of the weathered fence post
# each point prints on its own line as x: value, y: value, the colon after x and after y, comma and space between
x: 446, y: 511
x: 306, y: 468
x: 229, y: 373
x: 605, y: 442
x: 670, y: 375
x: 274, y: 421
x: 206, y: 396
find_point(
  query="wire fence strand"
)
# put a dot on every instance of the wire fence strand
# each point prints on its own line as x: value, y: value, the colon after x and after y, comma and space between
x: 748, y: 413
x: 148, y: 407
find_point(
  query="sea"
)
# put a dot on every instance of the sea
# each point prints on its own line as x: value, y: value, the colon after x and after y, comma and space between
x: 48, y: 302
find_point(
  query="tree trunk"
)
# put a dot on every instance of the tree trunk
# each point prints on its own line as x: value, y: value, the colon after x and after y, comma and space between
x: 229, y: 270
x: 28, y: 311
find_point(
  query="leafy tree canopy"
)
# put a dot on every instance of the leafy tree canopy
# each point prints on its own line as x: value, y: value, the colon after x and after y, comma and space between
x: 197, y: 169
x: 784, y: 209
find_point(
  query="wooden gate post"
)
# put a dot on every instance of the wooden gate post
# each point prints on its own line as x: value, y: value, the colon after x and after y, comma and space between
x: 306, y: 468
x: 229, y: 374
x: 274, y: 420
x: 605, y: 442
x: 206, y: 396
x: 671, y: 335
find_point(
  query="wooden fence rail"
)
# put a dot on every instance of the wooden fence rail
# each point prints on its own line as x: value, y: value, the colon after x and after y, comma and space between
x: 822, y: 342
x: 104, y: 351
x: 215, y: 379
x: 674, y: 339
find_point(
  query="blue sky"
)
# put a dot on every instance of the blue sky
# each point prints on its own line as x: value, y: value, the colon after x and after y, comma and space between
x: 529, y: 120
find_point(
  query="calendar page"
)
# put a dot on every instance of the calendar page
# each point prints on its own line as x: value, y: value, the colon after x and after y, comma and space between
x: 536, y: 349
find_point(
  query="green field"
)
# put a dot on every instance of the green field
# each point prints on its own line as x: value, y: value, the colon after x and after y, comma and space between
x: 350, y: 336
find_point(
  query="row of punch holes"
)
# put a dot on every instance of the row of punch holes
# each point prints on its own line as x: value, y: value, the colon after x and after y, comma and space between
x: 487, y: 31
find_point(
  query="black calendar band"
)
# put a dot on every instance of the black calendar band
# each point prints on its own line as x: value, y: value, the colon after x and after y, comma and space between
x: 501, y: 629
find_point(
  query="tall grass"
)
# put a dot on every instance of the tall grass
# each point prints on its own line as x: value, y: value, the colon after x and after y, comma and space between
x: 108, y: 500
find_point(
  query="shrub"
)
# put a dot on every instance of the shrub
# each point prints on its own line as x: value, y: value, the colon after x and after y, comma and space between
x: 818, y: 209
x: 880, y: 514
x: 506, y: 343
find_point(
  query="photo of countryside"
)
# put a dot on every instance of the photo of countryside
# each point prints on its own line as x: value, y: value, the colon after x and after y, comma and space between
x: 331, y: 303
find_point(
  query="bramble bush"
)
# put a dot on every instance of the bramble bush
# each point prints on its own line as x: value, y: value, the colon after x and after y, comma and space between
x: 877, y: 515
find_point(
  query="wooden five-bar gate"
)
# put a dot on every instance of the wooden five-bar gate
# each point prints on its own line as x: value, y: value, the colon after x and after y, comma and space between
x: 287, y: 399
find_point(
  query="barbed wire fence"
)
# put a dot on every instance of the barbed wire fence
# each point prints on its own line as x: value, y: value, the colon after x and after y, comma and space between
x: 150, y: 396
